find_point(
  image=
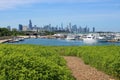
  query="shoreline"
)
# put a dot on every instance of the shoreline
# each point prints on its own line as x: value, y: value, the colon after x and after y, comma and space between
x: 13, y: 38
x: 3, y: 41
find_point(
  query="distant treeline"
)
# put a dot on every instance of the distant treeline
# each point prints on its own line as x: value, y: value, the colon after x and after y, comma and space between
x: 6, y: 32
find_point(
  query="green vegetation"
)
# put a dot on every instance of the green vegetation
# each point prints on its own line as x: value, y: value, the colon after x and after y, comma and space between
x: 49, y: 33
x: 104, y: 58
x: 6, y: 32
x: 31, y: 62
x: 28, y: 62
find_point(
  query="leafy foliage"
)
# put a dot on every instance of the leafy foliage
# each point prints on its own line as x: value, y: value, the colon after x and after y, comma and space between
x: 28, y: 62
x: 105, y: 58
x: 6, y: 32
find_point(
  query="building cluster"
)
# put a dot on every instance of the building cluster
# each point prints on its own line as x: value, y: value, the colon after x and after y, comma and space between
x: 69, y: 28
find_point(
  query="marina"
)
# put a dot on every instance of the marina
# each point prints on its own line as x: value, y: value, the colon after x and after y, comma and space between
x: 14, y: 39
x: 67, y: 39
x: 60, y: 42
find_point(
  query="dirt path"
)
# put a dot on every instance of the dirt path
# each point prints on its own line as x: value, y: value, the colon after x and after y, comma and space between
x: 82, y: 71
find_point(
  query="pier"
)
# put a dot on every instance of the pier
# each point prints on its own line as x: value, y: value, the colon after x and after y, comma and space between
x: 14, y: 39
x: 3, y: 41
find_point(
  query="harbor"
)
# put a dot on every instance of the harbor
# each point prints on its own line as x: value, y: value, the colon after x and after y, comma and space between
x: 90, y: 38
x: 14, y: 39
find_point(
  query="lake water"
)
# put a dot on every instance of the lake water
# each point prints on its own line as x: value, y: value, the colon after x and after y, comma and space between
x: 59, y: 42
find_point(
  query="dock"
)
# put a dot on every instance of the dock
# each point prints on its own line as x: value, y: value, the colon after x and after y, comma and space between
x: 3, y: 41
x: 14, y: 39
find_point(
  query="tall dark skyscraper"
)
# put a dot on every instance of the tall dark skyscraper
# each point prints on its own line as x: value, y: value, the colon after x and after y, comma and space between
x: 30, y: 24
x: 93, y: 29
x: 20, y: 27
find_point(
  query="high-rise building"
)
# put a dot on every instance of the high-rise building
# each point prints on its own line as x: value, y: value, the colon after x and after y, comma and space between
x: 25, y: 28
x: 74, y: 28
x: 20, y: 27
x: 61, y: 26
x: 70, y: 27
x: 80, y: 30
x: 93, y: 29
x: 30, y: 25
x: 9, y: 28
x: 35, y: 28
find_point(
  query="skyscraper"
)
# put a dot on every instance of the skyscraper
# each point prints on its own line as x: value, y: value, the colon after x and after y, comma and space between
x: 20, y: 27
x: 93, y: 29
x: 30, y: 25
x: 9, y: 28
x: 70, y: 27
x: 25, y: 28
x: 61, y: 26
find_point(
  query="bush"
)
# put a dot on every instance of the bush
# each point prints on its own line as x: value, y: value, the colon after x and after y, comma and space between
x: 105, y: 58
x: 27, y: 62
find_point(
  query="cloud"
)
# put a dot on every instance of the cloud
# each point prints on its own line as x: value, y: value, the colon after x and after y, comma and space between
x: 8, y: 4
x: 71, y: 1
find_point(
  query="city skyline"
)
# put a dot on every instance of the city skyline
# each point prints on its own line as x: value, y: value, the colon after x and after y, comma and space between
x: 68, y: 28
x: 103, y: 15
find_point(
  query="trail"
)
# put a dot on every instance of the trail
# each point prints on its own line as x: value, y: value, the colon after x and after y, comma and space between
x: 82, y: 71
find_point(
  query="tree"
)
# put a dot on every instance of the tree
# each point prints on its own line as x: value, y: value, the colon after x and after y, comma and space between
x: 4, y: 32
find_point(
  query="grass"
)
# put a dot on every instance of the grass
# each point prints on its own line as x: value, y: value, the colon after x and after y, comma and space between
x: 46, y: 63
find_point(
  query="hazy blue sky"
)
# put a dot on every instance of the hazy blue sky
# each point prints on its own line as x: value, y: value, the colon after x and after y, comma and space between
x: 104, y: 15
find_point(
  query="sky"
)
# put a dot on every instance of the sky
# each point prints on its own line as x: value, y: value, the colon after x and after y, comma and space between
x: 104, y: 15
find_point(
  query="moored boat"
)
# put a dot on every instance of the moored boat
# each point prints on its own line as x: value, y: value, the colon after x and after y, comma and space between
x: 70, y: 37
x: 101, y: 39
x: 90, y: 38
